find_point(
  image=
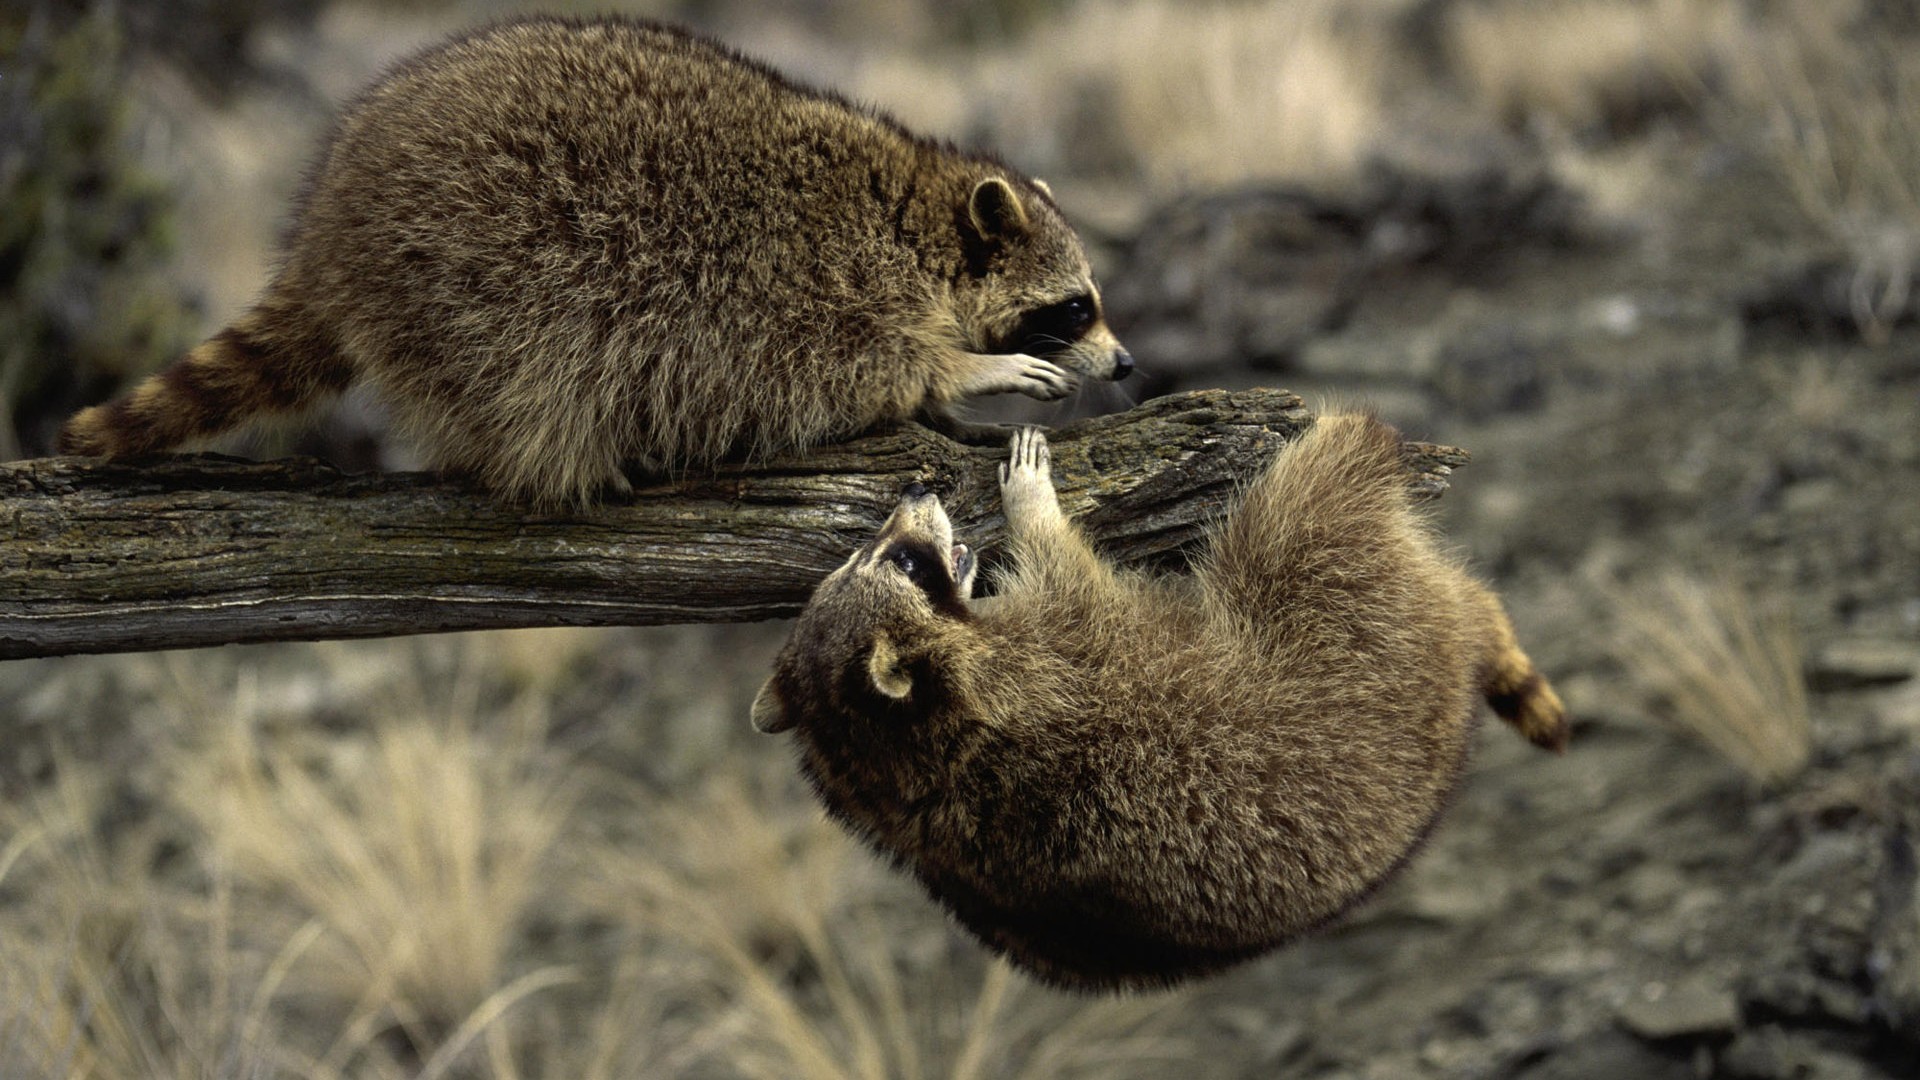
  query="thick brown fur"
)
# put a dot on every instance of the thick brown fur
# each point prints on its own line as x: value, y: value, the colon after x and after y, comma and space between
x: 1123, y: 780
x: 560, y: 249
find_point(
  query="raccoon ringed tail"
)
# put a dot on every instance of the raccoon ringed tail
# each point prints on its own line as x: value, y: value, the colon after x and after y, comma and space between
x: 1521, y: 696
x: 1518, y: 693
x: 224, y: 382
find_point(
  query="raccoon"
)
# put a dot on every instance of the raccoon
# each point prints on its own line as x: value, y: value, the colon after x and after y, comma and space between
x: 1119, y: 780
x: 561, y: 249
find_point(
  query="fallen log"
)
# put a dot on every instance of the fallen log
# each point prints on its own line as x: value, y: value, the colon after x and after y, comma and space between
x: 196, y: 550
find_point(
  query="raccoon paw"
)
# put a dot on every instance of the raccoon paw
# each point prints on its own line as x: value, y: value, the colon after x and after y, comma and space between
x: 1040, y: 379
x: 1014, y: 373
x: 1026, y: 480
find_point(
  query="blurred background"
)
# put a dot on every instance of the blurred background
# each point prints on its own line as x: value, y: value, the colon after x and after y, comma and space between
x: 1652, y: 261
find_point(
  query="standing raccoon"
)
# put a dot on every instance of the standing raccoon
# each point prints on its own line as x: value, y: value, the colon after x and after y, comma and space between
x: 560, y: 249
x: 1122, y: 780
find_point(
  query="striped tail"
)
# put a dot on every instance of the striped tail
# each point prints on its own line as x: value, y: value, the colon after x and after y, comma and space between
x: 225, y: 382
x: 1518, y: 693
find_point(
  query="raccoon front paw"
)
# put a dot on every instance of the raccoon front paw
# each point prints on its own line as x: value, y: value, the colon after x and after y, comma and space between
x: 1042, y: 380
x: 1026, y: 481
x: 1011, y: 373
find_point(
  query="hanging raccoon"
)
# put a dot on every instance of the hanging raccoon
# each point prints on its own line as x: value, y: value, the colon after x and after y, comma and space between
x: 1122, y: 780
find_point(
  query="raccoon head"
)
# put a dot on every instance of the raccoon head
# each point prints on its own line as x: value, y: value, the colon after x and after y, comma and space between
x: 868, y: 641
x: 1028, y: 287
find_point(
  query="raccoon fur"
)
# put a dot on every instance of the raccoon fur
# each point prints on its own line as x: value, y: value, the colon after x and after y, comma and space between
x: 560, y: 249
x: 1123, y: 780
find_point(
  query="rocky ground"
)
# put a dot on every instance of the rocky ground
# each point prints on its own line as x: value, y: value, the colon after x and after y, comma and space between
x: 1684, y: 390
x: 1672, y: 398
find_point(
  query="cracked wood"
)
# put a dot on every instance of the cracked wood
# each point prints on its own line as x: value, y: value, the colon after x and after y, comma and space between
x: 198, y: 550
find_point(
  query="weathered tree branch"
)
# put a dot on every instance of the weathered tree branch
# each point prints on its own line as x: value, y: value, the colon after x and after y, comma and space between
x: 202, y: 550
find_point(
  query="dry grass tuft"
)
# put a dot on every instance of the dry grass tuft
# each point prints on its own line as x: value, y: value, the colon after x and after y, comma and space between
x: 1216, y: 94
x: 540, y: 659
x: 1821, y: 391
x: 367, y: 861
x: 1844, y: 111
x: 1586, y: 63
x: 419, y: 850
x: 1729, y: 669
x: 826, y: 969
x: 1172, y: 95
x: 114, y: 973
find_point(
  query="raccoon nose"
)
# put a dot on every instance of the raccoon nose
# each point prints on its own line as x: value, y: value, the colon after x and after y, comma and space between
x: 914, y: 490
x: 1122, y: 364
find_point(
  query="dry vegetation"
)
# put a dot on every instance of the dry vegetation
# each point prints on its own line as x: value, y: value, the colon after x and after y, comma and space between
x: 376, y: 861
x: 1199, y: 96
x: 415, y: 891
x: 1729, y: 669
x: 1155, y: 96
x: 1843, y: 107
x: 1587, y: 63
x: 1172, y: 97
x: 1837, y: 98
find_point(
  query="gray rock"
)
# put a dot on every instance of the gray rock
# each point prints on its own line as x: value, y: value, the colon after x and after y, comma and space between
x: 1893, y: 959
x: 1691, y: 1009
x: 1772, y: 1053
x: 1863, y: 662
x: 1225, y: 278
x: 1606, y: 1054
x: 1803, y: 996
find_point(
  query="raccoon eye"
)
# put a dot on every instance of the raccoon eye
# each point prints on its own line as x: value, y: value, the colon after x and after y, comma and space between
x: 1056, y: 326
x: 918, y: 562
x: 1077, y: 312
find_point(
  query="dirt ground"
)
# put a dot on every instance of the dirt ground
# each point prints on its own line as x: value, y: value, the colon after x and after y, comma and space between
x: 1683, y: 391
x: 1638, y: 907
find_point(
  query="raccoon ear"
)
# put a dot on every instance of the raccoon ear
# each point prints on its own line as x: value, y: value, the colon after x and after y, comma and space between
x: 887, y: 669
x: 996, y: 211
x: 769, y: 716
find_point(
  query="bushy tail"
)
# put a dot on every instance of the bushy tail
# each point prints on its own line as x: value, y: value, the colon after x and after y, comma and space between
x: 1333, y: 516
x: 234, y: 377
x: 1519, y: 694
x: 1329, y: 503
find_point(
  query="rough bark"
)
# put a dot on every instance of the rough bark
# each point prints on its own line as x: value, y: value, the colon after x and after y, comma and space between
x: 202, y: 550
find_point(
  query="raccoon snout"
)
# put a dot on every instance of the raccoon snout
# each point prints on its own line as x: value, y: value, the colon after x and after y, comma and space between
x: 1122, y: 364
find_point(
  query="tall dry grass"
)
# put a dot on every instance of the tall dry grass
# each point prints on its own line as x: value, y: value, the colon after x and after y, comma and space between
x: 294, y: 901
x: 419, y: 850
x: 111, y: 971
x: 829, y: 968
x: 1729, y: 667
x: 1586, y: 63
x: 1843, y: 109
x: 373, y: 861
x: 1167, y: 97
x: 1214, y: 94
x: 1171, y: 96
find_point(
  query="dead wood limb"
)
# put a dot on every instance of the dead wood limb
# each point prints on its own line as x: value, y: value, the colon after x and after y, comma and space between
x: 202, y: 550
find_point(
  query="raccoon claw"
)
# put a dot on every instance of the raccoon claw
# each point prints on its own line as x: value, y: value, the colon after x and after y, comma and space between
x: 1040, y: 379
x: 618, y: 490
x: 1026, y: 480
x: 1030, y: 453
x: 1012, y: 373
